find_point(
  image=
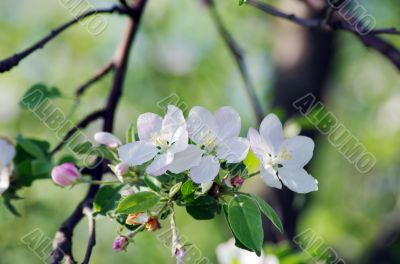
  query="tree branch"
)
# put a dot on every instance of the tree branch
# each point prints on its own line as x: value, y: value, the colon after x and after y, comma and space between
x: 95, y: 78
x: 10, y: 62
x: 92, y: 234
x: 237, y: 54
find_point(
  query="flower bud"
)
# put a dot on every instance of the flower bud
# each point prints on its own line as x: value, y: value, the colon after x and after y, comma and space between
x: 126, y: 192
x: 65, y: 174
x: 120, y: 243
x: 152, y: 224
x: 121, y: 169
x: 237, y: 181
x: 108, y: 139
x: 137, y: 219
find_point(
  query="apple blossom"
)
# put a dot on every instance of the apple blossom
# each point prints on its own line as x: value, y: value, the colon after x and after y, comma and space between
x: 160, y: 139
x: 137, y: 219
x: 7, y: 154
x: 120, y: 243
x: 282, y: 160
x: 217, y: 138
x: 65, y: 174
x: 228, y: 253
x: 108, y: 139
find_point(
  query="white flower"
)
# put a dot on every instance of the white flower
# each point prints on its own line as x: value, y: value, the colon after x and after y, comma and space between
x: 159, y: 138
x: 228, y: 253
x: 282, y: 159
x: 218, y: 137
x: 107, y: 139
x: 7, y: 153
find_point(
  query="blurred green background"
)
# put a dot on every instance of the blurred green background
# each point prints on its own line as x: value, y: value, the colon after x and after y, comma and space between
x: 178, y: 50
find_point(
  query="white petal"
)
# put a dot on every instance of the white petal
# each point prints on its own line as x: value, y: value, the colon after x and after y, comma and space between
x: 206, y: 171
x: 300, y: 149
x: 5, y: 178
x: 186, y: 159
x: 171, y: 123
x: 272, y: 132
x: 182, y: 141
x: 107, y: 139
x: 257, y: 144
x: 233, y: 150
x: 148, y: 124
x: 201, y: 125
x: 7, y: 153
x: 297, y: 179
x: 160, y: 164
x: 137, y: 153
x: 269, y: 177
x: 228, y: 121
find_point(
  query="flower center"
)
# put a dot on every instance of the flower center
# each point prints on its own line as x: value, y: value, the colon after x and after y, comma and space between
x: 208, y: 140
x: 160, y: 141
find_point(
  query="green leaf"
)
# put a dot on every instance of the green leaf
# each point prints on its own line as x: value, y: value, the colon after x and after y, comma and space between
x: 269, y: 212
x: 138, y: 202
x: 241, y: 2
x: 245, y: 220
x: 152, y: 183
x: 175, y: 189
x: 187, y: 188
x: 37, y: 94
x: 106, y: 199
x: 203, y: 208
x: 31, y: 148
x: 41, y: 167
x: 237, y: 241
x: 130, y: 134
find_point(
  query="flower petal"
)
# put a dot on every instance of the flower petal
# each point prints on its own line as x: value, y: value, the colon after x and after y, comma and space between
x: 186, y: 159
x: 269, y: 177
x: 148, y: 124
x: 160, y: 164
x: 257, y: 144
x: 206, y: 171
x: 182, y: 141
x: 272, y: 132
x: 228, y: 121
x: 107, y: 139
x: 171, y: 123
x: 5, y: 178
x: 300, y: 149
x: 297, y: 179
x: 233, y: 150
x: 137, y: 153
x: 202, y: 125
x: 7, y: 153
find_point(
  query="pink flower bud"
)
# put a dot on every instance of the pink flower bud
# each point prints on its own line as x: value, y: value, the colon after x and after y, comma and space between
x: 121, y: 169
x: 126, y: 192
x: 120, y: 243
x: 65, y: 174
x: 108, y: 139
x: 237, y: 181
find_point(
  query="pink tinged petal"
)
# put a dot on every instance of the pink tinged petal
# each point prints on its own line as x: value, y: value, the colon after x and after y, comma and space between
x: 206, y: 171
x: 257, y: 144
x: 7, y: 153
x: 233, y: 150
x: 182, y: 141
x: 272, y: 132
x: 269, y: 177
x: 172, y: 122
x: 148, y: 124
x: 65, y: 174
x: 297, y: 179
x: 108, y: 139
x: 5, y: 178
x: 160, y: 164
x: 228, y: 121
x: 137, y: 153
x: 186, y: 159
x: 300, y: 149
x: 201, y: 125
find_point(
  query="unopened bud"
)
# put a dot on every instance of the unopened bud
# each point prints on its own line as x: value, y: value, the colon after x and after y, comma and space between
x: 65, y: 174
x: 237, y: 181
x: 120, y: 243
x: 108, y: 139
x: 121, y: 169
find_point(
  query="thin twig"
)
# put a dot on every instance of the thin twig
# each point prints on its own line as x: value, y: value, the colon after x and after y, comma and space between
x: 237, y: 54
x: 10, y: 62
x: 95, y: 78
x: 92, y: 234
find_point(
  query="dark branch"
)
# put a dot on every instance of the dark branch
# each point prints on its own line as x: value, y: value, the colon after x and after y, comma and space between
x: 95, y: 78
x: 237, y: 54
x: 92, y: 234
x: 10, y: 62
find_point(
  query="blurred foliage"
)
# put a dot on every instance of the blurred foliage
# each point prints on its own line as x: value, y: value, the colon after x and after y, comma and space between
x: 178, y: 51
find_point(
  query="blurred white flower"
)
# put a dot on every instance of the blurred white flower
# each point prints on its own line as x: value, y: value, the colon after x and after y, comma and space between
x: 228, y: 253
x: 159, y: 138
x: 7, y: 154
x: 282, y: 159
x: 107, y: 139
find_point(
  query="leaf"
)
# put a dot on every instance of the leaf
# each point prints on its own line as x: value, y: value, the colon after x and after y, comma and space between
x: 37, y: 94
x: 203, y: 208
x: 31, y: 147
x: 41, y: 167
x: 175, y: 189
x: 152, y: 183
x: 106, y: 199
x: 83, y: 148
x: 187, y: 189
x: 245, y: 220
x: 237, y: 241
x: 269, y: 212
x: 138, y: 202
x: 241, y: 2
x: 130, y: 134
